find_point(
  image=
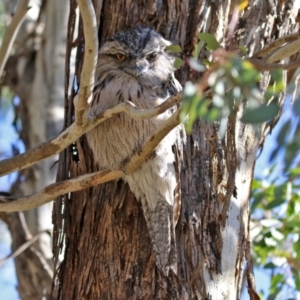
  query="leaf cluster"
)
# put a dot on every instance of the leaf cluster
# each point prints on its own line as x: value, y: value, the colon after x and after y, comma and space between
x: 227, y: 84
x: 275, y: 230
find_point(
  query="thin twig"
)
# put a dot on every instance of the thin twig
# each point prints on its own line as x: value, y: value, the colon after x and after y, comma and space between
x: 87, y: 77
x: 74, y: 132
x: 11, y: 33
x: 60, y: 188
x: 22, y: 248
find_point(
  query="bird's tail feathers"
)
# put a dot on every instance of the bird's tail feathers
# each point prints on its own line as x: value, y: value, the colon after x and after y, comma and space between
x: 160, y: 224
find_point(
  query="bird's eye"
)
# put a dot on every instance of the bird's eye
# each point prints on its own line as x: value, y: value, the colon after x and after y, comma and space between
x: 120, y: 57
x: 152, y: 55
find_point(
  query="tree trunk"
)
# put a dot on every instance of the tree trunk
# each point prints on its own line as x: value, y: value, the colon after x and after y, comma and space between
x: 35, y: 73
x: 108, y: 254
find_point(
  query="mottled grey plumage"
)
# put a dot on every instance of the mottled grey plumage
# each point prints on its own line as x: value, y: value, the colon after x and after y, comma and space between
x: 133, y: 66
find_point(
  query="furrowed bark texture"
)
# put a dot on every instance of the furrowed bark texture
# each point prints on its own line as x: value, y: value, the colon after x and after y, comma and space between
x: 108, y: 252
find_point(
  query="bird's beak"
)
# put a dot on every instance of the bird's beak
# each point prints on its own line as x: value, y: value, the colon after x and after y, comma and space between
x: 138, y: 68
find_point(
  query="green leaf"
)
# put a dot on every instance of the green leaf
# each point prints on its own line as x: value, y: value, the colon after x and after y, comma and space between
x: 277, y: 279
x: 284, y: 131
x: 174, y: 48
x: 260, y: 114
x: 296, y: 274
x: 191, y: 105
x: 197, y: 49
x: 276, y: 75
x: 248, y: 74
x: 275, y: 203
x: 269, y: 265
x: 243, y: 49
x: 213, y: 115
x: 210, y: 40
x: 257, y: 200
x: 178, y: 63
x: 297, y: 250
x: 291, y: 151
x: 206, y: 62
x: 294, y: 172
x: 202, y: 108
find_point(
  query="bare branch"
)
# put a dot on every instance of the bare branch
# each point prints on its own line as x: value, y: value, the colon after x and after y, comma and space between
x: 54, y: 190
x: 262, y: 65
x: 60, y: 188
x: 268, y: 49
x: 282, y: 48
x: 11, y: 33
x: 23, y: 247
x: 132, y: 111
x: 87, y: 77
x: 284, y: 52
x: 71, y: 134
x: 56, y: 145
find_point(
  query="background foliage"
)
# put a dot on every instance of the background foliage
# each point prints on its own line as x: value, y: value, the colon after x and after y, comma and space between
x: 226, y: 81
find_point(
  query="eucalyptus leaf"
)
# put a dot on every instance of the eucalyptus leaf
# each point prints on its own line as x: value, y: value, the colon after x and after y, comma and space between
x: 213, y: 115
x: 283, y: 134
x: 275, y: 203
x: 269, y: 265
x: 174, y: 48
x: 178, y: 63
x: 197, y: 49
x: 210, y: 40
x: 260, y: 114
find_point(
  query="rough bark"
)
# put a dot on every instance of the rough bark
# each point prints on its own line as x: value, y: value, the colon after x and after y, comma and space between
x: 107, y: 246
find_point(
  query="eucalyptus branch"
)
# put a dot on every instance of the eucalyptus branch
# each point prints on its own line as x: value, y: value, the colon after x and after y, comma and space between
x: 278, y: 50
x: 132, y: 111
x: 87, y: 77
x: 63, y: 187
x: 74, y: 132
x: 11, y: 33
x: 262, y: 65
x: 285, y: 51
x: 274, y: 45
